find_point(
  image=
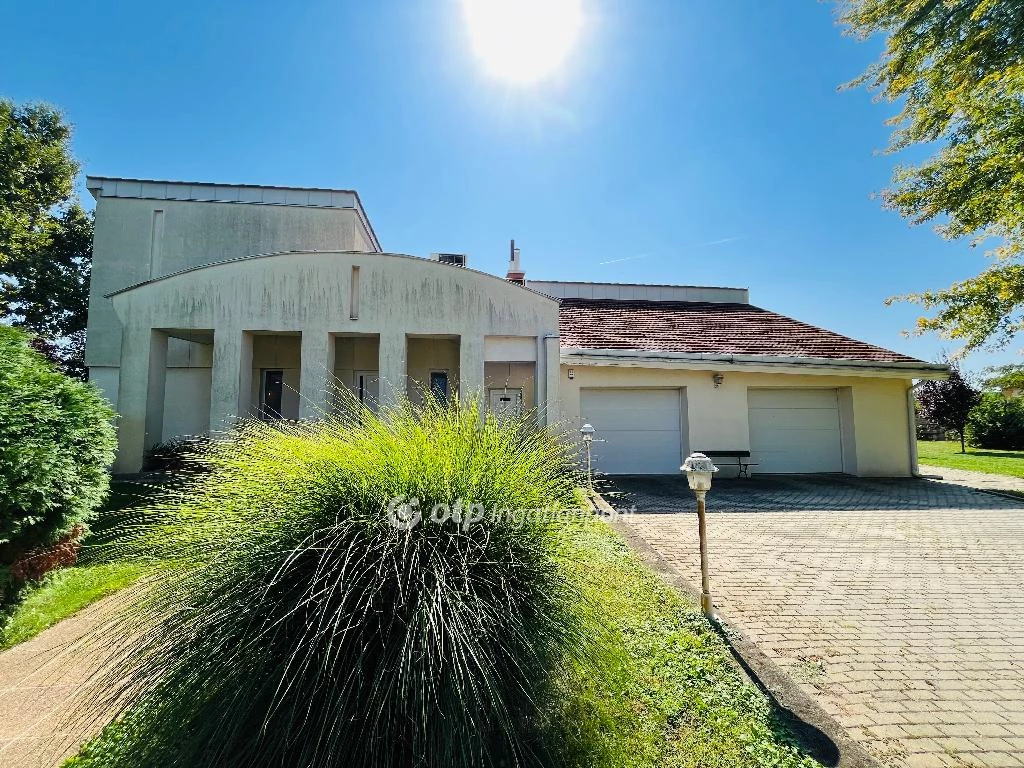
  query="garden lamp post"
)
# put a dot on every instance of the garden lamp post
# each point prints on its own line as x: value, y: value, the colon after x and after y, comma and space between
x: 587, y: 433
x: 699, y: 469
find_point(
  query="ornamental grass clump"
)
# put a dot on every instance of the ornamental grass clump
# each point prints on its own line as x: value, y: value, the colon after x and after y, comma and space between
x: 349, y: 592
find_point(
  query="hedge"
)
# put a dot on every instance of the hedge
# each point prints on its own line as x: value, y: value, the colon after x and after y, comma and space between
x: 56, y: 445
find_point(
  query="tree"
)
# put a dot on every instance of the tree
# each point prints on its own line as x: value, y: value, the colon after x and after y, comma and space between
x: 948, y: 403
x: 45, y: 235
x: 37, y: 174
x: 1004, y: 377
x: 957, y: 67
x: 46, y: 289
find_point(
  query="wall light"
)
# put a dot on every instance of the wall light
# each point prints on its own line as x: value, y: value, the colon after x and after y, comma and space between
x: 718, y: 378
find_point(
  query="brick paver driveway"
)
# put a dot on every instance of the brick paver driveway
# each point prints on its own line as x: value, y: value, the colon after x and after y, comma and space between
x: 898, y: 604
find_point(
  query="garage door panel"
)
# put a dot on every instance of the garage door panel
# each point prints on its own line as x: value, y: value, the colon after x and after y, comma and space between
x: 640, y: 429
x: 635, y: 452
x: 792, y: 398
x: 634, y: 421
x: 798, y: 419
x: 793, y: 430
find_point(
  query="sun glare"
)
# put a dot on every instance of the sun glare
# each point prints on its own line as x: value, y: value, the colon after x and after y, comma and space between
x: 523, y: 41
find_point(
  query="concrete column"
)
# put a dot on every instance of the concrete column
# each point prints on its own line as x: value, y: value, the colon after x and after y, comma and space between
x: 471, y: 368
x: 231, y: 394
x: 316, y: 376
x: 391, y: 364
x: 552, y: 378
x: 140, y: 400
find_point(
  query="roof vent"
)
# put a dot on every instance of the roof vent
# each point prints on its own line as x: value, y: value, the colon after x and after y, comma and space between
x: 515, y: 271
x: 455, y: 259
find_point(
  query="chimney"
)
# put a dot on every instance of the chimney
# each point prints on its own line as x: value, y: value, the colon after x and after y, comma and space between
x: 515, y: 271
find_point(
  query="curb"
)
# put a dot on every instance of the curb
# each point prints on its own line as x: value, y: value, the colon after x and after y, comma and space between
x: 817, y: 731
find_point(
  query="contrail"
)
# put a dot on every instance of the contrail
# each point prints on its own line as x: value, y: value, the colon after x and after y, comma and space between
x: 628, y: 258
x: 719, y: 242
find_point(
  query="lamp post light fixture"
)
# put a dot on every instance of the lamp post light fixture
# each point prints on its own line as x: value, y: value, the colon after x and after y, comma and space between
x: 587, y: 433
x: 699, y: 469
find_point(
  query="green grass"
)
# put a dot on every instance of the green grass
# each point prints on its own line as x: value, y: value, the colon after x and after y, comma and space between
x: 946, y: 453
x: 61, y: 594
x: 672, y: 695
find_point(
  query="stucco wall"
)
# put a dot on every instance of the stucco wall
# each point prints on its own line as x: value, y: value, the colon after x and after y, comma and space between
x: 310, y: 294
x: 876, y: 443
x: 139, y: 239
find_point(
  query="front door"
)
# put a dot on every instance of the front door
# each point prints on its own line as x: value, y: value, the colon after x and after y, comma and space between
x: 367, y: 388
x: 272, y: 393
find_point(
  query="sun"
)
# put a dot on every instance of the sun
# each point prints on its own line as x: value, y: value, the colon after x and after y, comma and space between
x: 523, y: 41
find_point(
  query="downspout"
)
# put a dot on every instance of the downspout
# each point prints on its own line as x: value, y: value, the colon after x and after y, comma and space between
x: 542, y: 365
x: 915, y: 470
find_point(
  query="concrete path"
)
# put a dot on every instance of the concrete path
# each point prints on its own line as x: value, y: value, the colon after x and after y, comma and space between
x: 897, y: 605
x: 38, y: 680
x: 980, y: 480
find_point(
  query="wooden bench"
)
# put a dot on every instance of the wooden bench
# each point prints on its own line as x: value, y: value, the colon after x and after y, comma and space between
x: 742, y: 460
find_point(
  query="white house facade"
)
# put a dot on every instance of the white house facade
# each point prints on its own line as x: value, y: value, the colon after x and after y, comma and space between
x: 212, y: 302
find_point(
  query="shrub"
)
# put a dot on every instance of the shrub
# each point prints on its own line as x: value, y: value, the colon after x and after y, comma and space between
x: 996, y: 422
x: 299, y: 618
x: 182, y: 454
x: 56, y: 443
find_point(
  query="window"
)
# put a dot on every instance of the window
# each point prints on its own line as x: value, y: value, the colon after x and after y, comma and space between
x: 439, y: 385
x: 273, y: 390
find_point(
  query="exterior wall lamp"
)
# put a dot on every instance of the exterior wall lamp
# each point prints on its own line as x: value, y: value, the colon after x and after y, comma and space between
x: 699, y: 470
x: 718, y: 378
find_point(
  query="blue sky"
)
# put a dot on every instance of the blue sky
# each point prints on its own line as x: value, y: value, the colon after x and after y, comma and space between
x: 683, y: 141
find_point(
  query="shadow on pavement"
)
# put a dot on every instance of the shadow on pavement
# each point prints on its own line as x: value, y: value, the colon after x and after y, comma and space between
x: 652, y: 494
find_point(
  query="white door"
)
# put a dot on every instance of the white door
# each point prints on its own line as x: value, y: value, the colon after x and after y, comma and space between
x: 639, y: 430
x: 795, y: 430
x: 366, y: 385
x: 506, y: 402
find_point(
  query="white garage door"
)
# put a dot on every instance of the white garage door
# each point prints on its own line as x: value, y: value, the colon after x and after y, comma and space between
x: 795, y: 430
x: 640, y: 429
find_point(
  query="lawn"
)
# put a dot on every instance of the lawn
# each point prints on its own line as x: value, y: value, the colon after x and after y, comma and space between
x: 673, y: 697
x: 61, y: 594
x: 65, y: 592
x: 946, y: 453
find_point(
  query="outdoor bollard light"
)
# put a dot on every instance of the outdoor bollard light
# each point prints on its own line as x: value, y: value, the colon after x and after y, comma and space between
x: 587, y: 432
x: 699, y: 469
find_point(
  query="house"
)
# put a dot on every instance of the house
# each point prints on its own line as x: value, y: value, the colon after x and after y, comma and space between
x: 213, y: 301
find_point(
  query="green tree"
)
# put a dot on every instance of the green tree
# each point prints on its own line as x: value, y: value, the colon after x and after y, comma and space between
x: 46, y: 289
x: 37, y: 174
x: 1004, y: 377
x: 45, y: 235
x: 957, y: 69
x: 948, y: 403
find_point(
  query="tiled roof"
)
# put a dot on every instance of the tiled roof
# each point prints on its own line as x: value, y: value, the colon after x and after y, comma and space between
x: 705, y: 327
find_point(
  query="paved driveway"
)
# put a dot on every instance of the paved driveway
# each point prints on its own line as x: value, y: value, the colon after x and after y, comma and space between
x: 897, y: 604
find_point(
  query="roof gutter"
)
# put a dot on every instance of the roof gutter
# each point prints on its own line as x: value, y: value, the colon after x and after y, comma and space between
x: 704, y: 360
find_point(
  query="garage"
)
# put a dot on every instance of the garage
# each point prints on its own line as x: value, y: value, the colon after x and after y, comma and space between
x: 640, y: 430
x: 795, y: 430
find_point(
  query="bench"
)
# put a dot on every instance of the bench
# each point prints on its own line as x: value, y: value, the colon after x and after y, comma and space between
x: 742, y: 460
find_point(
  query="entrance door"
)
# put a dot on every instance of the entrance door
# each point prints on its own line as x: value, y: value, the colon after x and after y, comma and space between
x: 506, y: 402
x: 367, y: 388
x: 272, y: 393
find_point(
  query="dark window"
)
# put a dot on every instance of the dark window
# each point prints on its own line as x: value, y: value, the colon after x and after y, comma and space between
x: 273, y: 389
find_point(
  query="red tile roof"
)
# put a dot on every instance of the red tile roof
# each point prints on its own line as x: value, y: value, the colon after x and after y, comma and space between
x: 705, y: 327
